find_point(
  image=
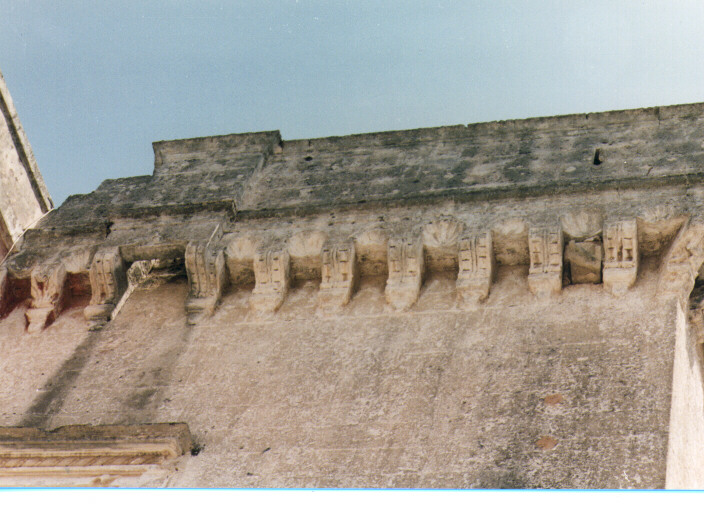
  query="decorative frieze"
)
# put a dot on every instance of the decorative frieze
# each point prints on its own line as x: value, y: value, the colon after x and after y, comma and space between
x: 205, y: 267
x: 406, y: 268
x: 338, y: 274
x: 47, y: 294
x: 108, y: 282
x: 476, y: 267
x: 271, y: 276
x: 620, y: 255
x: 545, y: 246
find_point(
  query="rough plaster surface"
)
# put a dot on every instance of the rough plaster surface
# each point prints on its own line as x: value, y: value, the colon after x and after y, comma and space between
x: 509, y: 395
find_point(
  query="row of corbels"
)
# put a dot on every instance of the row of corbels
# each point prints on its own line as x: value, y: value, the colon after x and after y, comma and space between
x: 208, y: 275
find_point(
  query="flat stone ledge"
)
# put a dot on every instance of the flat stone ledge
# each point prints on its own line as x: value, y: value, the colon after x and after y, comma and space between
x: 81, y: 451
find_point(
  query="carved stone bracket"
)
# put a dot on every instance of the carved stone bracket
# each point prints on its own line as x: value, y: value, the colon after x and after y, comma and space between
x: 620, y: 255
x: 205, y: 266
x: 406, y: 268
x: 682, y: 262
x: 476, y: 267
x: 545, y: 245
x: 338, y: 274
x: 108, y: 282
x: 47, y: 288
x: 271, y: 276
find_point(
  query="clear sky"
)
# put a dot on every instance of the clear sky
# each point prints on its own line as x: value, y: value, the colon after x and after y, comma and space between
x: 96, y: 82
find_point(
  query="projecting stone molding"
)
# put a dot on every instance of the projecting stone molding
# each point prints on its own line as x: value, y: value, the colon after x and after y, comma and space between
x: 339, y: 256
x: 89, y: 454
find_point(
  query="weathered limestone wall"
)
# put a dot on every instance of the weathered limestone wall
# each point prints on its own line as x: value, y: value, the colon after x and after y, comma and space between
x: 565, y: 391
x: 23, y: 195
x: 685, y: 463
x: 491, y: 305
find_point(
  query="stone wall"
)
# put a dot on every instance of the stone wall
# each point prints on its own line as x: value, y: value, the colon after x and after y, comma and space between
x: 501, y: 305
x: 562, y: 392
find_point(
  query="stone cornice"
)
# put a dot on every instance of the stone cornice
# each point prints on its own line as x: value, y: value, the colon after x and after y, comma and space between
x: 90, y: 451
x: 253, y: 210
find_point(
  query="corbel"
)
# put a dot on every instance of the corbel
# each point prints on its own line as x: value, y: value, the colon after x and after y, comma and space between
x: 477, y: 267
x: 108, y: 283
x: 271, y: 277
x: 47, y: 294
x: 205, y: 267
x: 545, y: 246
x: 406, y: 268
x: 620, y: 255
x: 338, y: 274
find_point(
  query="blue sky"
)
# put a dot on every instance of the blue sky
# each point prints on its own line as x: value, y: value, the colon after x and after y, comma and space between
x: 96, y: 82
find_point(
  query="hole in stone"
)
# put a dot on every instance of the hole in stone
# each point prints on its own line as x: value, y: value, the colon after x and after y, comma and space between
x: 597, y: 157
x: 308, y: 158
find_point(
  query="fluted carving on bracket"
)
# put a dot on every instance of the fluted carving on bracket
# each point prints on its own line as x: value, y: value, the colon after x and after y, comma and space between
x: 47, y: 292
x: 406, y: 268
x: 271, y: 276
x: 545, y: 245
x: 205, y: 266
x: 476, y: 267
x: 620, y: 255
x: 108, y: 282
x: 338, y: 274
